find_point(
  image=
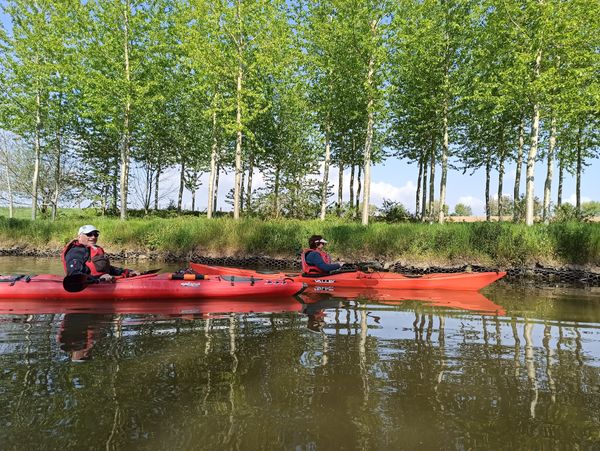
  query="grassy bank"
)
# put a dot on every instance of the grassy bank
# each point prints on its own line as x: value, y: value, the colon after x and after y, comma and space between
x: 502, y: 244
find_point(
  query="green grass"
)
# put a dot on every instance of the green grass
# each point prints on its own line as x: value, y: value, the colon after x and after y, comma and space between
x: 489, y: 243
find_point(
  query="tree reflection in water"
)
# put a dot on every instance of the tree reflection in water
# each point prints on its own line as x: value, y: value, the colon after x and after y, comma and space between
x: 392, y: 374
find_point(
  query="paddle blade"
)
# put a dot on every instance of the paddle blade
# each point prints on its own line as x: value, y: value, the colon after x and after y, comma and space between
x: 150, y: 271
x: 75, y: 283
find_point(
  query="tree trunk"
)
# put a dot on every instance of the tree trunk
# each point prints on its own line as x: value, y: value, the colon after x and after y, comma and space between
x: 579, y: 170
x: 535, y: 125
x: 156, y: 185
x: 148, y: 188
x: 561, y: 175
x: 124, y: 185
x: 488, y: 172
x: 242, y: 190
x: 213, y: 166
x: 215, y: 203
x: 340, y: 199
x: 37, y: 160
x: 549, y: 171
x: 193, y: 191
x: 369, y: 137
x: 115, y: 187
x: 500, y: 184
x: 445, y: 145
x: 517, y: 189
x: 57, y: 174
x: 431, y: 203
x: 238, y: 123
x: 181, y: 183
x: 358, y: 190
x: 418, y: 193
x: 351, y: 187
x: 276, y: 193
x: 327, y: 162
x: 8, y: 183
x: 249, y: 186
x: 424, y: 207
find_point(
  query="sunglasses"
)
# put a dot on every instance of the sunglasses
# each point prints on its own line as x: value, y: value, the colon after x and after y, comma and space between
x: 93, y: 234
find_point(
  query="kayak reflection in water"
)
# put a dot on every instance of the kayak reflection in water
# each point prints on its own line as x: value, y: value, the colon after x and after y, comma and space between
x: 79, y: 332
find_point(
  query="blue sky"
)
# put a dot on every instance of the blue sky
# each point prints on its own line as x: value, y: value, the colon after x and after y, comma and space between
x: 396, y: 180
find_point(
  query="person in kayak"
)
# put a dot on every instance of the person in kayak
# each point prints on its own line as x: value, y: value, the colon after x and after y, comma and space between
x: 84, y: 256
x: 315, y: 261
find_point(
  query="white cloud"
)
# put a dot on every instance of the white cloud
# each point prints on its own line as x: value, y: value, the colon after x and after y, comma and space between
x: 403, y: 194
x: 477, y: 205
x: 572, y: 199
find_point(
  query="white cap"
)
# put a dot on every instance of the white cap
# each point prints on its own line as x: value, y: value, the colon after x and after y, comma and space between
x: 321, y: 241
x: 87, y: 229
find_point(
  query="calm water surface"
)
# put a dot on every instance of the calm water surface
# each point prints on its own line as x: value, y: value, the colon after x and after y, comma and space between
x: 519, y: 370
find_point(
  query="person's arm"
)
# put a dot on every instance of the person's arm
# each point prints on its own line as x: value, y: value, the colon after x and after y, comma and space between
x: 75, y: 259
x: 315, y: 259
x: 116, y: 271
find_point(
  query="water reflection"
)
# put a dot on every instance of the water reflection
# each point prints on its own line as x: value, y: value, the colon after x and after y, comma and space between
x: 430, y: 372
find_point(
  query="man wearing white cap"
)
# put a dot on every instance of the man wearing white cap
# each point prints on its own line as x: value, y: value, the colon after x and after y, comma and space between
x: 84, y: 256
x: 315, y: 261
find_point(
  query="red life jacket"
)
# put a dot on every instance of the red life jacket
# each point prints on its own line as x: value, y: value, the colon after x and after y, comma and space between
x: 97, y: 261
x: 311, y: 269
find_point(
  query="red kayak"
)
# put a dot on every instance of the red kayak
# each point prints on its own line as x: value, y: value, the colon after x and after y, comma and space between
x: 463, y: 281
x: 147, y: 287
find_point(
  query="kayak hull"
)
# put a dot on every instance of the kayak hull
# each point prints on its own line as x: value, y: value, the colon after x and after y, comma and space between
x: 463, y: 281
x: 147, y: 287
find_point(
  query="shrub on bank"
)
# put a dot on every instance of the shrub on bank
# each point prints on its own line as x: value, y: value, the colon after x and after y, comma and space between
x: 489, y: 243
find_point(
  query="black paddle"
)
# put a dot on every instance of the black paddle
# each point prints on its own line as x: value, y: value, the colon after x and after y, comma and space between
x: 75, y: 283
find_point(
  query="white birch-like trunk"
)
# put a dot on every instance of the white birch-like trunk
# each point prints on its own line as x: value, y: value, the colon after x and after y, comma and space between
x: 8, y: 182
x: 249, y: 184
x: 36, y: 162
x: 124, y: 179
x: 561, y: 176
x: 213, y: 167
x: 326, y: 171
x: 156, y: 186
x: 500, y: 186
x: 238, y: 145
x: 535, y: 126
x: 578, y: 171
x: 488, y: 172
x: 418, y: 193
x: 519, y: 167
x: 340, y: 189
x: 425, y: 186
x: 369, y: 137
x: 57, y: 176
x: 549, y: 171
x: 181, y: 184
x: 431, y: 202
x: 445, y: 145
x: 237, y: 190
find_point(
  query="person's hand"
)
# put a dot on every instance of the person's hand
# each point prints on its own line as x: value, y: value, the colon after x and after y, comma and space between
x: 133, y: 273
x: 107, y: 278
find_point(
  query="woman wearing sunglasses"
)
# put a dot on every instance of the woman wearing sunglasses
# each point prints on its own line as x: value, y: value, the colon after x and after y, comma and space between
x: 84, y: 256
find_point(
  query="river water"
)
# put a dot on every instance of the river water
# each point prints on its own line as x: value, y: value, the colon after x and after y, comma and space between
x: 514, y: 368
